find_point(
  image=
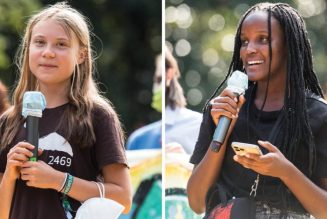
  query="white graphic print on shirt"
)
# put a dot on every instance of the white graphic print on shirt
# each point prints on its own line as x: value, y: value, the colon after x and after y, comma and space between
x: 58, y: 149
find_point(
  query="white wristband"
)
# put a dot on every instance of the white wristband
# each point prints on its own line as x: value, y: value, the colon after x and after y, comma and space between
x: 63, y: 184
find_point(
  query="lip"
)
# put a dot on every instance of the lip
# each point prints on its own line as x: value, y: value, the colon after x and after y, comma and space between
x: 47, y: 65
x: 255, y: 62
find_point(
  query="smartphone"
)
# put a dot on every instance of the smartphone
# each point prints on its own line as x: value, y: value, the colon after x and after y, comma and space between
x: 244, y: 148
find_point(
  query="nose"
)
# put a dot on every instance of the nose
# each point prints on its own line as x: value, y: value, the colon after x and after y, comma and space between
x: 48, y: 52
x: 251, y: 48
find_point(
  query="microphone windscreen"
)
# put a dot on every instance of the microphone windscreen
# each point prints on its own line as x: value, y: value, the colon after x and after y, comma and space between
x: 33, y: 104
x: 238, y: 82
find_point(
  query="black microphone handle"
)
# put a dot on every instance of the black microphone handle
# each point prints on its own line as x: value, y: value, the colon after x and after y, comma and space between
x: 32, y: 129
x: 220, y: 133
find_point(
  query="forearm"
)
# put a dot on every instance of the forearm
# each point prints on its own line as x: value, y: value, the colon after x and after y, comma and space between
x: 312, y: 197
x: 7, y: 188
x: 82, y: 190
x: 203, y: 176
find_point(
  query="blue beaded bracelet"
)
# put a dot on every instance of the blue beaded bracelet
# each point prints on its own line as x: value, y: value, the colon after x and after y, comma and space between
x: 68, y: 184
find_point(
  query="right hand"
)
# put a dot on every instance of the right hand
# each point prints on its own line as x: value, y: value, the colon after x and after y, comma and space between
x: 226, y: 104
x: 16, y: 157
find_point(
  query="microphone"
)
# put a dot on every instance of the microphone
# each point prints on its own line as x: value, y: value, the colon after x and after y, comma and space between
x: 238, y: 83
x: 33, y: 105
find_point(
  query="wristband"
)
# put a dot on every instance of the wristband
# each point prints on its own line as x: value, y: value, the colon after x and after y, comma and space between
x: 68, y: 184
x: 64, y: 182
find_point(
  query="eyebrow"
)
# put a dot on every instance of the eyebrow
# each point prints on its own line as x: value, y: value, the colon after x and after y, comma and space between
x: 59, y: 38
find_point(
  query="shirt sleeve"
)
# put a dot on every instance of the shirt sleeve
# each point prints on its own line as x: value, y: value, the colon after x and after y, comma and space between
x: 317, y: 111
x: 109, y: 146
x: 207, y: 129
x: 321, y: 151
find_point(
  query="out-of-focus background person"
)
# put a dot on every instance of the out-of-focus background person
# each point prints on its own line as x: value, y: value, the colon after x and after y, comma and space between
x: 149, y: 136
x: 144, y: 149
x: 181, y: 124
x: 181, y: 130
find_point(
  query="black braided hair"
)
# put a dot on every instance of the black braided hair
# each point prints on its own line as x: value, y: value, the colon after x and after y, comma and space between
x: 297, y: 135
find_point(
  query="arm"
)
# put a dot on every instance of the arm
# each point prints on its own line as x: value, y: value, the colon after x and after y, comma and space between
x: 7, y: 187
x: 15, y: 158
x: 312, y: 197
x: 117, y: 186
x: 203, y: 176
x: 116, y: 181
x: 208, y: 170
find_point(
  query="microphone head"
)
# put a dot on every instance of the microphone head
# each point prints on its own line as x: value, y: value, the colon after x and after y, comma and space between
x: 238, y: 82
x: 33, y: 104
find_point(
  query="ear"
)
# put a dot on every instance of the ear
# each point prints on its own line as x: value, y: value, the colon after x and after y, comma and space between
x: 82, y: 53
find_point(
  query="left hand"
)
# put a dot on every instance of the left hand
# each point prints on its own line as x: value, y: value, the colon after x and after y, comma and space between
x: 40, y: 175
x: 273, y: 163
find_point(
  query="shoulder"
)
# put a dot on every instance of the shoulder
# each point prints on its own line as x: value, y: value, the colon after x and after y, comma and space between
x: 316, y: 104
x: 317, y: 112
x: 182, y: 115
x: 192, y: 114
x: 103, y: 112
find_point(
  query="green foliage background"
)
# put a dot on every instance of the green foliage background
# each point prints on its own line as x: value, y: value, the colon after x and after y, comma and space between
x: 201, y: 34
x: 128, y: 37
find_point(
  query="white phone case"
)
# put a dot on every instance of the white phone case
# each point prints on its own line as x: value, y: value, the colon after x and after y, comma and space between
x: 243, y: 148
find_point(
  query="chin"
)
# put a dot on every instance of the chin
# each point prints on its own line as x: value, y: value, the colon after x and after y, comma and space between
x: 252, y: 76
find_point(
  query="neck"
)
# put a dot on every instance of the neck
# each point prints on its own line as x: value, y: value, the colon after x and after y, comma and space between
x: 275, y: 96
x: 54, y: 95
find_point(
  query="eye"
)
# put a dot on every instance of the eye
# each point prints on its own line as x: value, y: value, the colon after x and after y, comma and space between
x: 264, y: 39
x: 244, y: 42
x: 62, y: 44
x: 39, y: 42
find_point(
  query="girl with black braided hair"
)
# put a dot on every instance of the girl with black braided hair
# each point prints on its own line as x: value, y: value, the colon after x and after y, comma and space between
x: 272, y: 47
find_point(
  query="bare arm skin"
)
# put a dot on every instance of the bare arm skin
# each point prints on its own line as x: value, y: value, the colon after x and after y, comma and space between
x: 207, y: 171
x: 313, y: 197
x: 116, y: 181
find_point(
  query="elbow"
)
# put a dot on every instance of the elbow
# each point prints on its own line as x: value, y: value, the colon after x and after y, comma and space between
x: 127, y: 198
x: 194, y: 200
x: 194, y: 205
x: 127, y: 204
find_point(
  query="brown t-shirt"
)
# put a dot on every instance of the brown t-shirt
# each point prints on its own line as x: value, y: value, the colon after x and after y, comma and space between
x: 34, y: 203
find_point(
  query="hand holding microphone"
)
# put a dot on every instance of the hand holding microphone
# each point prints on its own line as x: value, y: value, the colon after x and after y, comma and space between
x: 237, y: 83
x: 33, y: 105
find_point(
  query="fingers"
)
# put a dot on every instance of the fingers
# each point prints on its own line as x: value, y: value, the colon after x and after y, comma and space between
x: 28, y: 170
x: 250, y: 161
x: 241, y: 101
x: 20, y: 152
x: 39, y: 151
x: 268, y: 146
x: 226, y: 104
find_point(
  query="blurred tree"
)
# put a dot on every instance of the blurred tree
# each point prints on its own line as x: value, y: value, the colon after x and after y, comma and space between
x: 13, y: 16
x: 202, y: 36
x: 127, y: 37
